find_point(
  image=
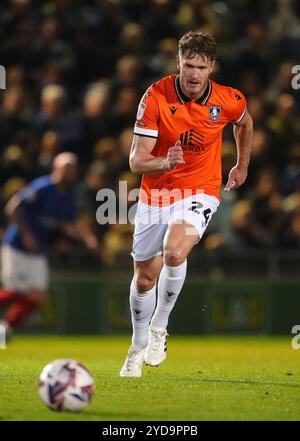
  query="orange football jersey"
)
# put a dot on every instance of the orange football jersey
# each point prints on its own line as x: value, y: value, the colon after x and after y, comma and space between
x: 166, y: 114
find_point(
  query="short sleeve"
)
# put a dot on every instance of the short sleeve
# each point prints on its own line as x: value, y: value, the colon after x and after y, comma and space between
x: 30, y: 195
x: 147, y: 116
x: 238, y: 106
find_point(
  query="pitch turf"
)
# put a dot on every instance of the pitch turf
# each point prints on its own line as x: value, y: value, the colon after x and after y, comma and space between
x: 210, y: 378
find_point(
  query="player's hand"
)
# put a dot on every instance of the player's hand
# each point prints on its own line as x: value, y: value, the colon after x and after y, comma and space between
x: 237, y: 176
x: 93, y: 245
x: 91, y: 242
x: 30, y: 242
x: 175, y: 156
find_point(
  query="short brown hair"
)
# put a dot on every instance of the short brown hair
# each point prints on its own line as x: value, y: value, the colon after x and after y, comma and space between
x: 196, y: 43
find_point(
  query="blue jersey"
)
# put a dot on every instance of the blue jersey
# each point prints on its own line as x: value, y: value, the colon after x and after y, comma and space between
x: 44, y: 208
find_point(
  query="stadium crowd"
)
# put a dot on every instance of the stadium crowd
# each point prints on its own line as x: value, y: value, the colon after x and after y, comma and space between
x: 76, y: 69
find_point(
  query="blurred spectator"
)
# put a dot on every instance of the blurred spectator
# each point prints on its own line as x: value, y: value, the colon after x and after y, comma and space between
x: 219, y: 230
x: 130, y: 182
x: 166, y: 56
x: 14, y: 115
x: 267, y: 204
x: 49, y: 46
x: 94, y: 118
x: 291, y: 202
x: 53, y: 116
x: 50, y: 146
x: 128, y: 71
x: 257, y: 110
x: 290, y: 237
x: 242, y: 13
x: 284, y: 29
x: 49, y: 73
x: 17, y: 46
x: 117, y: 244
x: 159, y: 21
x: 261, y: 155
x: 20, y: 159
x: 253, y: 53
x: 123, y: 112
x: 15, y: 77
x: 246, y: 230
x: 107, y: 150
x: 132, y: 40
x: 111, y: 22
x: 291, y: 173
x: 94, y: 180
x: 92, y: 61
x: 283, y: 126
x: 198, y: 14
x: 250, y: 82
x: 125, y: 140
x: 280, y: 83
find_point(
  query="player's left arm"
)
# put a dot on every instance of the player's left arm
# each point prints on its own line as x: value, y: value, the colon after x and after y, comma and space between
x: 79, y: 231
x: 243, y: 133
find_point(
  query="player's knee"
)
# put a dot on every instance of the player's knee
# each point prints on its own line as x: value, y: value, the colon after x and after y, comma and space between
x: 174, y: 257
x: 144, y: 282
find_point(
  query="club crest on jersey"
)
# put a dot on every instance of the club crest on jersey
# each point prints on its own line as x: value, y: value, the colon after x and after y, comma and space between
x: 214, y: 113
x: 141, y: 110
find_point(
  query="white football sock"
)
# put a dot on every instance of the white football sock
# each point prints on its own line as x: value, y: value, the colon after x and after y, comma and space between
x: 142, y: 306
x: 170, y: 283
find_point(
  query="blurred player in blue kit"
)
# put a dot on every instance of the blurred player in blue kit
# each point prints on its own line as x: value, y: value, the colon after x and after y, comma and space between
x: 44, y: 206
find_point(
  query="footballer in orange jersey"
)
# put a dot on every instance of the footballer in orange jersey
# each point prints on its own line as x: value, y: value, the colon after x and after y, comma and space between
x: 166, y: 114
x: 177, y: 148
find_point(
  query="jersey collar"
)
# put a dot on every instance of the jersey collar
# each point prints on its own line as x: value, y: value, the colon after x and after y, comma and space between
x: 184, y: 99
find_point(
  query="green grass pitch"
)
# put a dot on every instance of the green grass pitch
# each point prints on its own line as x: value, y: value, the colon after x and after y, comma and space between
x: 203, y: 378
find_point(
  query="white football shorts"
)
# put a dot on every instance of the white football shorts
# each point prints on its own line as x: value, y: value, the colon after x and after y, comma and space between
x: 152, y: 222
x: 23, y: 272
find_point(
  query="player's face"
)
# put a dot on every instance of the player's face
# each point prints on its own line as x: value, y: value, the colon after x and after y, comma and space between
x: 193, y: 74
x: 69, y: 174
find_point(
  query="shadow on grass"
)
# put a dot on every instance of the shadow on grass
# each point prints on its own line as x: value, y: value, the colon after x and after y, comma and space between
x: 234, y: 380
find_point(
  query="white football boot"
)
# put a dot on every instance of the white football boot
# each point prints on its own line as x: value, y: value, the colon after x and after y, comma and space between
x: 133, y: 364
x: 156, y: 351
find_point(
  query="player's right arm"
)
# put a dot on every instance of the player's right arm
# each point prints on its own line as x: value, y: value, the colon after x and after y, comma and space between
x: 80, y: 231
x: 14, y: 212
x: 142, y: 162
x: 146, y: 132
